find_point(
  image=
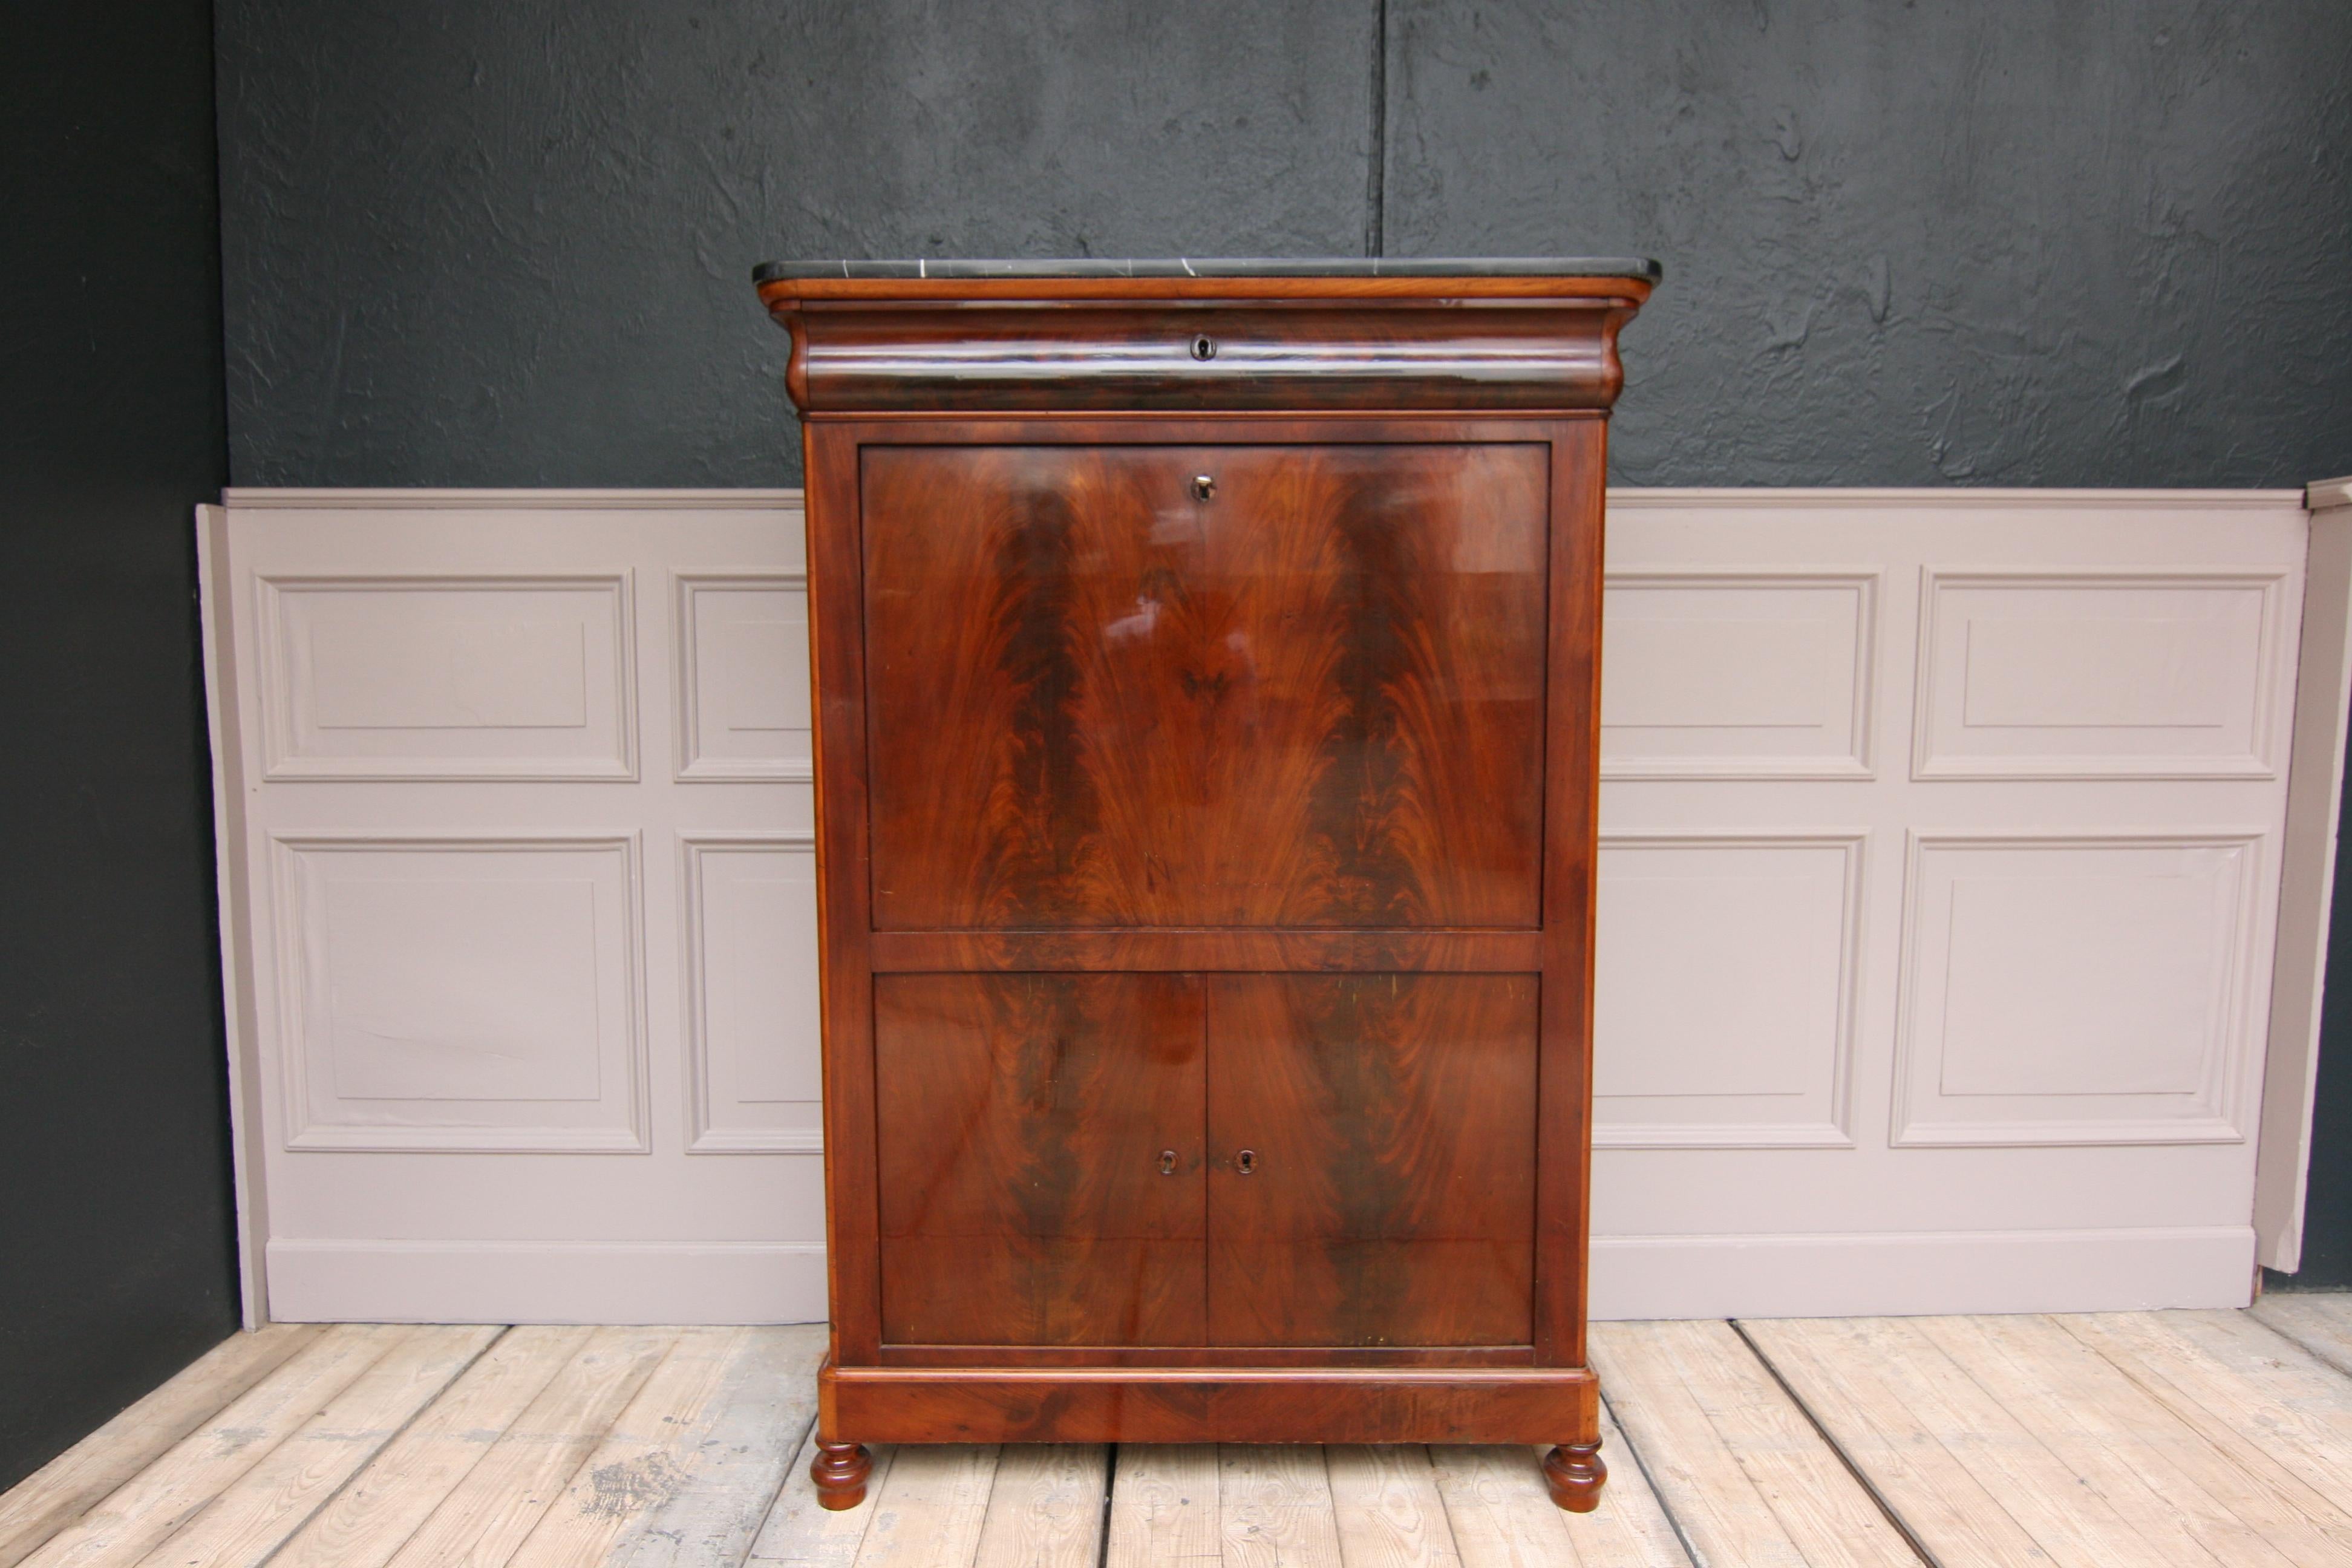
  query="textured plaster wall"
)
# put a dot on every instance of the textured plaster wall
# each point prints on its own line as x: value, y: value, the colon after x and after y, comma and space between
x: 511, y: 244
x: 2108, y: 242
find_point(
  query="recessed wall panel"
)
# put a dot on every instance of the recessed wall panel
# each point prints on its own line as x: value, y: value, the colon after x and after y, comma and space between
x: 1724, y: 992
x: 750, y: 972
x: 2094, y: 675
x: 2076, y: 990
x: 1738, y: 675
x: 743, y: 672
x: 447, y: 677
x: 459, y: 993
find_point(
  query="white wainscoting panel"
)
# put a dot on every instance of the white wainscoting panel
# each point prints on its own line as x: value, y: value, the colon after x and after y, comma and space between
x: 751, y: 976
x: 1725, y: 995
x: 460, y: 993
x: 1755, y: 674
x: 743, y: 673
x: 2078, y: 989
x: 504, y: 990
x: 2100, y: 675
x: 390, y: 675
x: 2008, y: 1058
x: 1940, y: 892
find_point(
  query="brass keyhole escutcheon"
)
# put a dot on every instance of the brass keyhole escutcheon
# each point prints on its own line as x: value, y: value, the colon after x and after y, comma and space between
x: 1168, y: 1161
x: 1203, y: 486
x: 1204, y: 347
x: 1246, y: 1162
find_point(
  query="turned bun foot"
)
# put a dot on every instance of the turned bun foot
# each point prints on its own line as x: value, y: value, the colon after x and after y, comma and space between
x: 1575, y: 1472
x: 840, y: 1470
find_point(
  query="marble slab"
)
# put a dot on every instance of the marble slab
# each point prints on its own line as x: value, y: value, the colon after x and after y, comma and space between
x: 1227, y: 267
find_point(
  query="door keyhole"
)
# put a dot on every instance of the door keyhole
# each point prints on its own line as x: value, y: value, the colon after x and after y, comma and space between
x: 1204, y: 487
x: 1246, y: 1162
x: 1168, y: 1161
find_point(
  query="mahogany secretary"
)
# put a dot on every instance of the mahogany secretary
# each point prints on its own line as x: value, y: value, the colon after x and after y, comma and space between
x: 1207, y: 663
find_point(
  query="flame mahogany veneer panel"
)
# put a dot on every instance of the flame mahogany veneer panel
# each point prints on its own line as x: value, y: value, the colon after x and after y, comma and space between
x: 1021, y: 1122
x: 1313, y: 698
x: 1393, y: 1124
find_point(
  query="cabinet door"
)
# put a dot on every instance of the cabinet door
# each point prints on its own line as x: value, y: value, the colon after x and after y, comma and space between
x: 1388, y: 1195
x: 1253, y: 686
x: 1021, y: 1124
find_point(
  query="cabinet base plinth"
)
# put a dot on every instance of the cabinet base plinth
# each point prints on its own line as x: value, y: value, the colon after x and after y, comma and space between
x: 1575, y: 1474
x: 1198, y: 1404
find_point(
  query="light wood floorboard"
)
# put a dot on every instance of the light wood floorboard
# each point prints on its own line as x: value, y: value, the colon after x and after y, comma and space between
x: 1163, y: 1505
x: 250, y: 1519
x: 1738, y: 1463
x: 129, y: 1521
x: 931, y: 1508
x: 399, y: 1488
x: 486, y: 1515
x: 1274, y: 1507
x: 1045, y: 1506
x: 2320, y: 1324
x: 2126, y: 1440
x: 53, y: 1496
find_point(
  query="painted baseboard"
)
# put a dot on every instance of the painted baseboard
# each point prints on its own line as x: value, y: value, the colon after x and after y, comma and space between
x: 541, y: 1282
x: 1633, y: 1277
x: 1951, y: 1272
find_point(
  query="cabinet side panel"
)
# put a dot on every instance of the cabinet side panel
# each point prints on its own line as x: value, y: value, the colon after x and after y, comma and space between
x: 1206, y: 685
x: 1040, y: 1143
x: 844, y: 977
x: 1372, y: 1159
x: 1580, y: 466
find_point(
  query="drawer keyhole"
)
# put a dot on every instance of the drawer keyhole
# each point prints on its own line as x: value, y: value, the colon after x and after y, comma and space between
x: 1203, y: 486
x: 1168, y: 1161
x: 1204, y: 347
x: 1246, y: 1162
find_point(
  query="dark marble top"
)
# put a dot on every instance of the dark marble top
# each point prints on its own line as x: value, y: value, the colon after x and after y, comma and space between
x: 1230, y: 267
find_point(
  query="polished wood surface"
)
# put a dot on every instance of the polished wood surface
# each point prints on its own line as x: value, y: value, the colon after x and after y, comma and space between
x: 1212, y: 1355
x: 1579, y: 468
x: 1040, y: 1153
x: 1248, y: 686
x: 1372, y: 1173
x: 1529, y: 354
x: 1400, y: 952
x: 1574, y: 1471
x: 844, y: 973
x: 839, y: 1472
x: 1205, y: 761
x: 1234, y: 1405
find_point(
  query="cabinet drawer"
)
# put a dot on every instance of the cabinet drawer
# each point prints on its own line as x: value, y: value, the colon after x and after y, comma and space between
x: 1259, y: 686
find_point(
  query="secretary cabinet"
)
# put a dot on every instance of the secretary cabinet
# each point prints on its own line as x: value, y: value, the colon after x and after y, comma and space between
x: 1207, y: 674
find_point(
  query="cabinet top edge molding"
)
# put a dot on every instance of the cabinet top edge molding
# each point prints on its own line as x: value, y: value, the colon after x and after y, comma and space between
x: 1329, y: 341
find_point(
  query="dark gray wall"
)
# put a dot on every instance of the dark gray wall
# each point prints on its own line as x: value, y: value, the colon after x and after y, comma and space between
x: 511, y: 244
x: 117, y: 1257
x: 2099, y: 243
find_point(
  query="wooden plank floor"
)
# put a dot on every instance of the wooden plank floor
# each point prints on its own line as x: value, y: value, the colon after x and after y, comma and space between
x: 2196, y: 1439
